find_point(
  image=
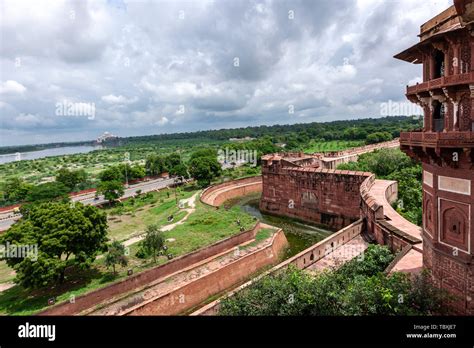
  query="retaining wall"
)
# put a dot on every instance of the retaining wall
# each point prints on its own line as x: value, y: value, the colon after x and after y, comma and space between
x: 217, y: 194
x: 215, y: 282
x: 301, y: 260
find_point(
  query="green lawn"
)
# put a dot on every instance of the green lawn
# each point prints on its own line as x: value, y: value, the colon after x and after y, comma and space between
x: 133, y: 217
x: 333, y: 145
x: 6, y: 273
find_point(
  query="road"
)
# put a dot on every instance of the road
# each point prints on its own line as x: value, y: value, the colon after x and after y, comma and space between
x: 7, y: 219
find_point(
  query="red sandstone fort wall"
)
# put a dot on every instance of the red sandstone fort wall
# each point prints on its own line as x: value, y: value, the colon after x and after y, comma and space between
x: 329, y: 197
x: 217, y: 194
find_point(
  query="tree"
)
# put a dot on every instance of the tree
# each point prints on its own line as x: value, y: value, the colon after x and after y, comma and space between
x: 66, y: 236
x: 16, y: 190
x: 48, y: 191
x: 71, y: 178
x: 155, y: 165
x: 153, y: 242
x: 378, y: 137
x: 359, y: 287
x: 111, y: 174
x: 112, y: 190
x: 180, y: 170
x: 116, y: 255
x: 173, y: 160
x: 204, y: 169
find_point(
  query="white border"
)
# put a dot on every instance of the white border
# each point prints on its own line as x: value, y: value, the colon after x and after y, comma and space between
x: 468, y: 193
x: 424, y: 177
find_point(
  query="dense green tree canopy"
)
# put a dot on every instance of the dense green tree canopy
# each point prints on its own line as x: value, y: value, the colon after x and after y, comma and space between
x: 155, y: 164
x: 204, y: 169
x: 357, y: 288
x: 15, y: 190
x: 66, y: 235
x: 71, y: 178
x: 48, y: 191
x: 112, y: 190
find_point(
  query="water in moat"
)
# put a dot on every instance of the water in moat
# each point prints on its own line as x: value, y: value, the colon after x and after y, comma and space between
x: 300, y: 235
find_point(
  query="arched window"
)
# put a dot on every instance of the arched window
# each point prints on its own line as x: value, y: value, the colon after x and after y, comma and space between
x: 438, y: 116
x: 439, y: 64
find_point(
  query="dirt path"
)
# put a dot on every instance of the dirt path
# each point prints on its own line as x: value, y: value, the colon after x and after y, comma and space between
x: 353, y: 248
x: 6, y: 286
x: 191, y: 202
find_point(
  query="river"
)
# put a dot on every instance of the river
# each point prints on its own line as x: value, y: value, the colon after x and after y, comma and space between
x: 56, y: 151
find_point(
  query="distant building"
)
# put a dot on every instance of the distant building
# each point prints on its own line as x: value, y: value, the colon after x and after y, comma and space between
x: 106, y: 137
x: 241, y: 140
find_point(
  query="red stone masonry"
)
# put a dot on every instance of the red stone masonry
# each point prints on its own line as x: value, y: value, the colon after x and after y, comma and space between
x: 445, y: 147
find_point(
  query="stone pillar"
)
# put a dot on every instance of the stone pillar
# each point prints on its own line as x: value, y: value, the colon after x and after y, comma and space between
x: 432, y: 67
x: 447, y: 63
x: 457, y: 59
x: 431, y: 120
x: 445, y: 106
x: 426, y: 66
x: 455, y: 115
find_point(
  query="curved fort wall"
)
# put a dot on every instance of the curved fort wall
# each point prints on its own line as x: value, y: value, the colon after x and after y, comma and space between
x: 217, y: 194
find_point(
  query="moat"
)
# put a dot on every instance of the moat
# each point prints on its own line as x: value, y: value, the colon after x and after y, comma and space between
x: 300, y: 235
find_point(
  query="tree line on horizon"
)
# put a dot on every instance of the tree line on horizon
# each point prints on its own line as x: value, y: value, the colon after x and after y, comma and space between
x: 357, y: 129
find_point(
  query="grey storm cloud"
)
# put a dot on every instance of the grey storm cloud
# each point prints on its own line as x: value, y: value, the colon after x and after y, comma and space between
x: 225, y: 63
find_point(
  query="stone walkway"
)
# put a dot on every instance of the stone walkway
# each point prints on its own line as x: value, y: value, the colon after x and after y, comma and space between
x: 395, y: 219
x: 412, y: 262
x: 354, y: 248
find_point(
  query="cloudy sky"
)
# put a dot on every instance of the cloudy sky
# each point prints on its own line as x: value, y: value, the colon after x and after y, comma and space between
x: 72, y: 70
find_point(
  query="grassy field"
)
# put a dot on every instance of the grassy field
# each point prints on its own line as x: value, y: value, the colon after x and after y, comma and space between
x: 329, y: 146
x: 133, y: 217
x: 205, y: 226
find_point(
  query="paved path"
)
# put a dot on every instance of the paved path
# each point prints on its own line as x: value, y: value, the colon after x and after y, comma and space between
x: 395, y: 219
x: 412, y: 262
x: 353, y: 248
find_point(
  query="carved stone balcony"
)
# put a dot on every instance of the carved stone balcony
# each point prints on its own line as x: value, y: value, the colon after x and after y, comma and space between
x: 445, y: 81
x: 437, y: 139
